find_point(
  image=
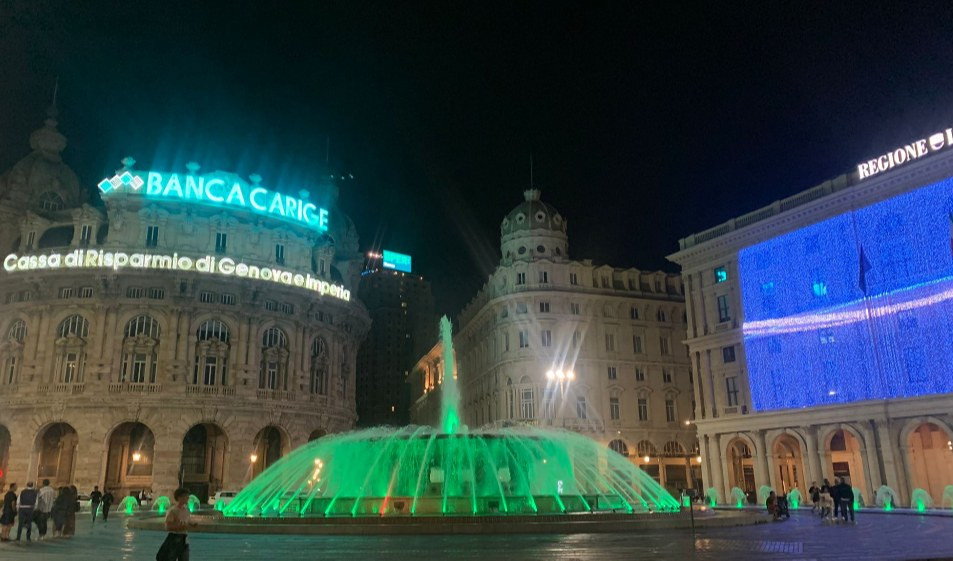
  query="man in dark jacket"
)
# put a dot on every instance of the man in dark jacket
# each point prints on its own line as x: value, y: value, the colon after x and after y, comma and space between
x: 25, y: 507
x: 835, y: 496
x: 845, y: 495
x: 97, y: 496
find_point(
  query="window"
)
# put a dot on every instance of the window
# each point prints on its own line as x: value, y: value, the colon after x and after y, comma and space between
x: 633, y: 313
x: 135, y: 292
x: 731, y: 390
x: 70, y: 367
x: 86, y: 292
x: 581, y: 412
x: 670, y: 410
x: 612, y: 372
x: 637, y: 344
x: 207, y: 297
x: 728, y: 354
x: 322, y: 266
x: 521, y: 307
x: 51, y: 201
x: 271, y: 375
x: 723, y: 312
x: 526, y: 404
x: 66, y: 292
x: 271, y: 305
x: 520, y: 278
x: 576, y: 338
x: 274, y: 351
x: 549, y: 403
x: 547, y: 338
x: 30, y: 240
x: 639, y: 374
x: 614, y: 409
x: 506, y: 342
x: 658, y: 285
x: 17, y: 331
x: 666, y: 376
x: 11, y: 369
x: 152, y: 236
x: 280, y: 254
x: 85, y: 234
x: 221, y: 242
x: 227, y: 299
x: 605, y: 282
x: 643, y: 406
x: 211, y: 360
x: 543, y: 277
x: 524, y: 339
x: 574, y: 308
x: 319, y: 368
x: 610, y: 341
x: 74, y: 325
x: 721, y: 275
x: 138, y: 368
x: 156, y: 293
x: 573, y: 279
x: 544, y: 307
x: 287, y: 308
x: 210, y: 371
x: 663, y: 346
x: 661, y: 315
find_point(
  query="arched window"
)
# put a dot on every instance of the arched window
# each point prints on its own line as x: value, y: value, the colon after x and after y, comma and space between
x: 273, y: 374
x: 70, y: 349
x: 51, y: 202
x: 17, y: 331
x: 319, y: 367
x: 673, y: 449
x: 139, y: 350
x: 645, y: 448
x: 619, y: 447
x: 12, y: 352
x: 211, y: 354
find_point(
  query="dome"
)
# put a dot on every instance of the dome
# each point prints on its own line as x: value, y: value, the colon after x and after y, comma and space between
x: 533, y: 230
x: 41, y: 182
x: 532, y: 214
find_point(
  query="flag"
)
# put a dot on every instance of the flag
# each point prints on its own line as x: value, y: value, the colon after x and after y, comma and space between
x: 864, y: 268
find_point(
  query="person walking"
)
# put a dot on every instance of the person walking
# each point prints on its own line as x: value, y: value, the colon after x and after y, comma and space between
x: 846, y: 495
x: 835, y: 497
x: 95, y: 498
x: 177, y: 522
x: 108, y: 500
x: 25, y: 506
x: 61, y: 506
x: 815, y: 493
x: 9, y: 513
x: 44, y: 505
x: 72, y: 507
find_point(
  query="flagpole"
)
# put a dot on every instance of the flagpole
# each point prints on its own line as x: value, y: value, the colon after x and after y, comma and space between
x: 878, y: 363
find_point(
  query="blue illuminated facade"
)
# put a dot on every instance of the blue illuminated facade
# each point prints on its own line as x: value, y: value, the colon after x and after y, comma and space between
x: 856, y: 307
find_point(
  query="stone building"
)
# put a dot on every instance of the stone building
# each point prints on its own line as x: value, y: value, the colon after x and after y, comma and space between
x: 157, y: 336
x: 819, y: 327
x: 556, y: 342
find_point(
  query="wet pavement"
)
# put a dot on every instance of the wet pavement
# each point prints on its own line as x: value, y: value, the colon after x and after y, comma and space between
x: 875, y: 536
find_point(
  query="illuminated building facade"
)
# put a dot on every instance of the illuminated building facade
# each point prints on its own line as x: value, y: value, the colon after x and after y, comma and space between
x: 819, y: 327
x: 403, y: 325
x: 555, y: 342
x: 151, y: 340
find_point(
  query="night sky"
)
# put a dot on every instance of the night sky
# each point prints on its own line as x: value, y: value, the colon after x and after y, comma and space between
x: 646, y: 123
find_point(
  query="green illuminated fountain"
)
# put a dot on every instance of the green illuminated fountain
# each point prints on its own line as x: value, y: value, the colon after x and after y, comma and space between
x: 453, y: 470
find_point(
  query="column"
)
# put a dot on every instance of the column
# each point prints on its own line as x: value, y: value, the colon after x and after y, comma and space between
x: 760, y: 461
x: 894, y: 474
x: 716, y: 464
x: 165, y: 470
x: 813, y: 462
x: 872, y: 468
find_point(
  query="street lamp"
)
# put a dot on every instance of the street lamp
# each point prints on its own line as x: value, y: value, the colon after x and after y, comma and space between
x: 136, y: 456
x: 253, y: 458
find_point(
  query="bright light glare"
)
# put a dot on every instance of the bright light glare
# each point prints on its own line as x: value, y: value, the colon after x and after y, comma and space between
x: 646, y: 459
x: 253, y: 458
x: 136, y: 456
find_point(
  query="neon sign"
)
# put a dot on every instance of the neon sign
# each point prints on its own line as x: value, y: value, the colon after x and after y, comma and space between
x: 209, y: 264
x: 904, y: 154
x: 217, y: 189
x: 396, y: 261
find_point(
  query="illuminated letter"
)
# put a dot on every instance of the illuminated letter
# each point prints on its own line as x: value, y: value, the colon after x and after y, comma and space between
x: 308, y: 212
x: 862, y: 171
x: 936, y: 141
x: 254, y: 203
x: 92, y: 258
x: 184, y: 263
x: 921, y: 147
x: 236, y: 193
x: 241, y: 270
x: 54, y: 261
x: 911, y: 150
x: 10, y: 263
x: 173, y: 185
x: 208, y: 190
x: 226, y: 265
x: 299, y: 280
x: 276, y: 202
x: 291, y: 207
x: 323, y: 219
x: 154, y: 183
x: 194, y: 189
x: 205, y: 264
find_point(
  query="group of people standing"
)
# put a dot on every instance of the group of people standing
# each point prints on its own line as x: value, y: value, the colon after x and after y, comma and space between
x: 39, y: 506
x: 829, y: 500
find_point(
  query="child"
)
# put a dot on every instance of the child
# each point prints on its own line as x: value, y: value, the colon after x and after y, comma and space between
x: 177, y: 522
x: 827, y: 506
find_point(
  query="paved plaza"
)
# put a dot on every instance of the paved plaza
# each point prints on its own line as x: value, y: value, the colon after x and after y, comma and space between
x: 876, y: 536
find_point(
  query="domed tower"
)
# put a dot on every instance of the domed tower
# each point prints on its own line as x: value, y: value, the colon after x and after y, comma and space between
x: 533, y: 230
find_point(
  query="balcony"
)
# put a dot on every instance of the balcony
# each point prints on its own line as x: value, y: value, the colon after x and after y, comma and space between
x: 70, y: 389
x: 126, y: 387
x: 277, y: 395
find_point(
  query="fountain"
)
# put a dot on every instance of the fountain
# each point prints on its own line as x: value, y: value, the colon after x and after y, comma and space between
x: 947, y: 496
x: 738, y: 497
x: 451, y: 470
x: 858, y: 498
x: 763, y: 493
x: 886, y: 497
x: 129, y: 505
x: 713, y: 498
x: 794, y: 498
x: 161, y: 504
x: 194, y: 503
x: 921, y: 500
